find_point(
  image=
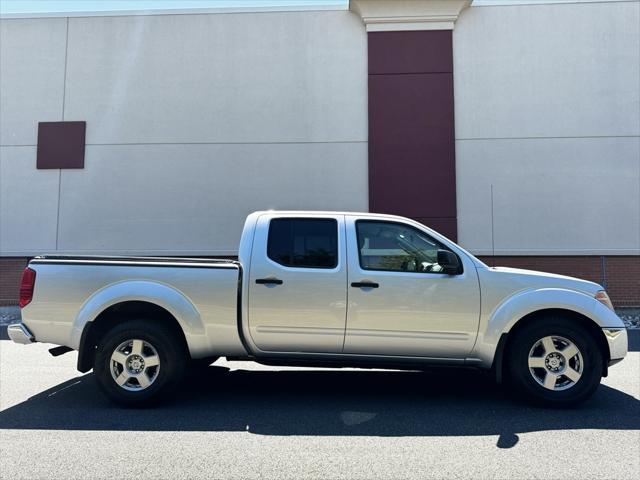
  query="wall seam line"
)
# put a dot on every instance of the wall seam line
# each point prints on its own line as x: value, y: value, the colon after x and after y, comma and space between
x: 411, y: 73
x: 547, y: 137
x: 64, y: 81
x: 64, y: 91
x: 58, y: 211
x: 203, y: 143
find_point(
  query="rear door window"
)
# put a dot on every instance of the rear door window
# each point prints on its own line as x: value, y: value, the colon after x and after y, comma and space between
x: 303, y: 242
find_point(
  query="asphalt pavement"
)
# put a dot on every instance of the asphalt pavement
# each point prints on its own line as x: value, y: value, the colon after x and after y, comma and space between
x: 241, y: 420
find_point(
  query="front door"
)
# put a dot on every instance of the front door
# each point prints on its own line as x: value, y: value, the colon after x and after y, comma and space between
x: 400, y: 303
x: 297, y: 284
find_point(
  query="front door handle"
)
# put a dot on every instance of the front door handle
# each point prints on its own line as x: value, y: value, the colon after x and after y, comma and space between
x: 365, y: 284
x: 269, y: 281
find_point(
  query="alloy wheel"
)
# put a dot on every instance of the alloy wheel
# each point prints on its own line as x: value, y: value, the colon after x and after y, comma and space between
x: 555, y: 363
x: 135, y: 365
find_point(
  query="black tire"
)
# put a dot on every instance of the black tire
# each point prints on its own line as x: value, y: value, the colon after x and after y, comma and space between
x: 523, y: 379
x: 156, y: 339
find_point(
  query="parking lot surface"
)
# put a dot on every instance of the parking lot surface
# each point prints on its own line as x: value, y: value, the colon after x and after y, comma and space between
x: 241, y: 420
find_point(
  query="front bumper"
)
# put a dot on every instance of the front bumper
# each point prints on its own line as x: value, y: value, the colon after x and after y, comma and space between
x: 618, y: 343
x: 19, y: 333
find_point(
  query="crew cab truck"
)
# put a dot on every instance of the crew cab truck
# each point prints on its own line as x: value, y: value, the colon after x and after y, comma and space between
x: 322, y: 289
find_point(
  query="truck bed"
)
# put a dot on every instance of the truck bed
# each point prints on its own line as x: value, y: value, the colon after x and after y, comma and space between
x: 202, y: 294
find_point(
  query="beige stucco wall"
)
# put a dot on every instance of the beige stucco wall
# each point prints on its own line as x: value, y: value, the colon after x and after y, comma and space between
x: 193, y: 121
x: 547, y: 106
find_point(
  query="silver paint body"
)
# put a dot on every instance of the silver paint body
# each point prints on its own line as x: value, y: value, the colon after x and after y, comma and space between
x: 315, y: 313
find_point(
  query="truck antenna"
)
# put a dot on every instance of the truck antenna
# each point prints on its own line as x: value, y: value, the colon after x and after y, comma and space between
x: 493, y: 244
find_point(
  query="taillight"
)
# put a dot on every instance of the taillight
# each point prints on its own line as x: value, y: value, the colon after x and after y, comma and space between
x: 26, y: 286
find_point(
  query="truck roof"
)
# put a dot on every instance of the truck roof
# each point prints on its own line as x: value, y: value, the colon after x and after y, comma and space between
x: 326, y: 212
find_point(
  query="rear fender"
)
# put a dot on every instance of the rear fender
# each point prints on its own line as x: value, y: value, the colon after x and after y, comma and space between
x: 172, y: 300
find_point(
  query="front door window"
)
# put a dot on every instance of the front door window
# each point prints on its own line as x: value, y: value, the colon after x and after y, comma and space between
x: 394, y: 247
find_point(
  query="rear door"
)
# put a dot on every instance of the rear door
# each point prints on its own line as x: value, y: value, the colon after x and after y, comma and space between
x: 298, y: 283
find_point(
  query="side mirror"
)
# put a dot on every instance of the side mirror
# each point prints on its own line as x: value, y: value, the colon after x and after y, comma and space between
x: 449, y: 262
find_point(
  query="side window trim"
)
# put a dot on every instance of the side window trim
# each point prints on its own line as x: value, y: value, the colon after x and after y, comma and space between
x: 336, y: 234
x: 405, y: 225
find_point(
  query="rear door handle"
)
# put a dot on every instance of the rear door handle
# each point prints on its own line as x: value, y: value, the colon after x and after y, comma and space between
x: 269, y: 281
x: 365, y: 284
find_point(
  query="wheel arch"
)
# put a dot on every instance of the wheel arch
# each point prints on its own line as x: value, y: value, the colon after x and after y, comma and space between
x: 117, y: 314
x: 577, y: 318
x: 135, y: 299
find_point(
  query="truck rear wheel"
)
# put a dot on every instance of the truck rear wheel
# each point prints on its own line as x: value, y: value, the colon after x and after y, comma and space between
x: 139, y: 363
x: 554, y: 362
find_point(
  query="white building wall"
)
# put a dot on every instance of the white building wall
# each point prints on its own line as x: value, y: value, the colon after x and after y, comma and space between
x: 547, y: 106
x: 193, y: 121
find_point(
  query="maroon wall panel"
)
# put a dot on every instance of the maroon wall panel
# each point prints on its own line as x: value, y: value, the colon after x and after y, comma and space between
x: 410, y: 52
x: 411, y: 127
x: 411, y: 145
x: 61, y: 144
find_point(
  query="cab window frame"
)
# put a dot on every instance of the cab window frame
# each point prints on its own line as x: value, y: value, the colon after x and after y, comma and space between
x: 335, y: 224
x: 440, y: 245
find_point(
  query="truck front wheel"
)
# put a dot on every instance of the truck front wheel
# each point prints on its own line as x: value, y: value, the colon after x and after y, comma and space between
x: 554, y: 362
x: 138, y: 363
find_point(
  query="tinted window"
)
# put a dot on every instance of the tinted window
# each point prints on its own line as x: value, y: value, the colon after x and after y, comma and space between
x: 303, y: 242
x: 396, y: 247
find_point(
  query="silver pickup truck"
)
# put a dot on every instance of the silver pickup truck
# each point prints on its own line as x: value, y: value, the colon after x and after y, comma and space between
x: 322, y: 289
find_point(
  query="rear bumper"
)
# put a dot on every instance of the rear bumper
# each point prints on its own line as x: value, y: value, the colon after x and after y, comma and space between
x: 19, y: 333
x: 618, y: 343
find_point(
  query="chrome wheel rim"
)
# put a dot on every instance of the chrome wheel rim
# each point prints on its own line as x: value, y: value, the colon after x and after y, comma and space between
x: 555, y: 363
x: 135, y: 365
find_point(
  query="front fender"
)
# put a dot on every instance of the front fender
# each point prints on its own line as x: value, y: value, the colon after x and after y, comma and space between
x: 172, y: 300
x: 523, y: 303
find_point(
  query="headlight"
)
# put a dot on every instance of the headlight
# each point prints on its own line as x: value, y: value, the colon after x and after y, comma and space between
x: 603, y: 298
